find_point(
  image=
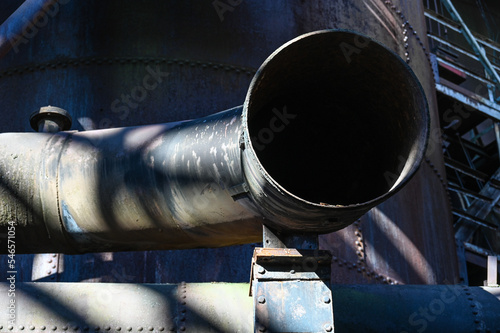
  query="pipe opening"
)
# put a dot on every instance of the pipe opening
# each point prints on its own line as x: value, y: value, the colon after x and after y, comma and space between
x: 338, y: 119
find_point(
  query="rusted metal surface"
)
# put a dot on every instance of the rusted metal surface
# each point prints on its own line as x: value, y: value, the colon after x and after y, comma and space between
x: 210, y: 64
x: 291, y: 291
x: 420, y: 213
x: 221, y: 307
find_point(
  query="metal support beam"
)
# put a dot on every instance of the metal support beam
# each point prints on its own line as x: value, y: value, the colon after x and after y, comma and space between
x: 479, y: 50
x: 492, y: 271
x: 468, y: 98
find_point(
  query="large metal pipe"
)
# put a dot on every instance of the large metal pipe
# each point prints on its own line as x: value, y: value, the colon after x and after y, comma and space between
x: 223, y: 307
x: 333, y: 124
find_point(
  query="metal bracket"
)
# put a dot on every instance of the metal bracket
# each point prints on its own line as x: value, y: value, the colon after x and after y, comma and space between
x: 291, y: 290
x: 276, y: 239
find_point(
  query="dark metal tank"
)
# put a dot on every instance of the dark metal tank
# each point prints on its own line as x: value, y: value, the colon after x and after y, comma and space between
x: 124, y: 63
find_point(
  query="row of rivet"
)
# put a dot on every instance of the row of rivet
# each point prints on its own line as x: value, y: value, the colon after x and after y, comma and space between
x: 407, y: 27
x: 53, y: 261
x: 361, y: 265
x: 360, y: 244
x: 110, y: 61
x: 182, y: 318
x: 85, y: 328
x: 443, y: 182
x: 475, y: 310
x: 363, y: 269
x: 183, y: 307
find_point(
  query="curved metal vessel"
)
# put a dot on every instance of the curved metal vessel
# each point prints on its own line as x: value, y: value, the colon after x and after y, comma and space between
x: 91, y: 58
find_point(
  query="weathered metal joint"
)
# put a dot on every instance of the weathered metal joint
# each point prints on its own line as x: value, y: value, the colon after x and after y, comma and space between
x: 291, y: 290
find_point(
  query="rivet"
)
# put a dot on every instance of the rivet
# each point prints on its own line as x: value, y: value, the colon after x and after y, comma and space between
x: 118, y: 328
x: 326, y: 299
x: 75, y: 328
x: 50, y: 261
x: 261, y: 270
x: 107, y: 328
x: 183, y: 328
x: 151, y: 328
x: 328, y: 328
x: 10, y: 327
x: 292, y: 271
x: 54, y: 328
x: 161, y: 329
x: 54, y: 255
x: 32, y: 327
x: 129, y: 328
x: 97, y: 328
x: 140, y: 329
x: 43, y: 328
x: 64, y: 328
x: 262, y: 328
x: 86, y: 328
x: 261, y: 299
x: 21, y: 327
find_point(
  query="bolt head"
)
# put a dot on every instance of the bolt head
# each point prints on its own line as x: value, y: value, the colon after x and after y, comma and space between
x: 261, y: 299
x: 326, y: 299
x: 328, y: 328
x: 61, y: 116
x: 261, y: 270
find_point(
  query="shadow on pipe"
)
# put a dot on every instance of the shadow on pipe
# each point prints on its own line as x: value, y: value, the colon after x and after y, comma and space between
x: 333, y: 124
